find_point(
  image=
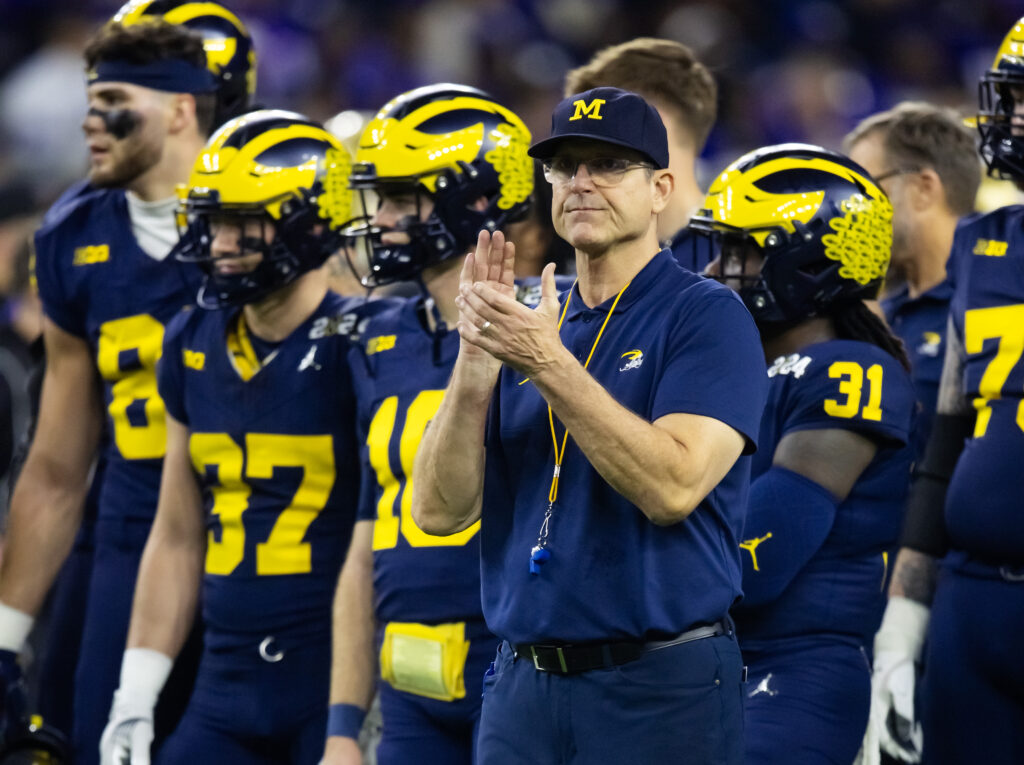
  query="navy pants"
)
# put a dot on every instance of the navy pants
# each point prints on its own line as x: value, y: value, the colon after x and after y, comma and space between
x: 422, y: 730
x: 119, y: 545
x: 248, y: 710
x: 680, y: 704
x: 806, y: 700
x: 972, y: 700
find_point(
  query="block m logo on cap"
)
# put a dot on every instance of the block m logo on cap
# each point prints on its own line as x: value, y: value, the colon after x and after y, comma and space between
x: 591, y: 111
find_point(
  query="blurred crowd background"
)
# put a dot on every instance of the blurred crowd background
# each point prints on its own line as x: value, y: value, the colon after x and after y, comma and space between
x: 787, y: 69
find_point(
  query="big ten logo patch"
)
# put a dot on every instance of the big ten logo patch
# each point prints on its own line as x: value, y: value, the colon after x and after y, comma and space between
x: 990, y: 247
x: 93, y: 253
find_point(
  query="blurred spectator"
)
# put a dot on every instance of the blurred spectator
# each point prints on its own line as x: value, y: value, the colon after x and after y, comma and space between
x: 20, y: 324
x: 788, y: 70
x: 42, y: 104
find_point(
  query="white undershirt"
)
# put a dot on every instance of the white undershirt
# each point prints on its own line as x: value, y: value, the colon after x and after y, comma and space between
x: 153, y: 224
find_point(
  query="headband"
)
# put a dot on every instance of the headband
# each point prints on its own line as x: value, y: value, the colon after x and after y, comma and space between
x: 173, y: 75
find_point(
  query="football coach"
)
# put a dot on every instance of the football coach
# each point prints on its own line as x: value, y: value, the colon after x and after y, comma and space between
x: 600, y: 440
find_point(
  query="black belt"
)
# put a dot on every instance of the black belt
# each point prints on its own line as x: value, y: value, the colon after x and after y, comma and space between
x: 570, y: 659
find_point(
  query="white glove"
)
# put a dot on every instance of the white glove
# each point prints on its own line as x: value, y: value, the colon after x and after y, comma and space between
x: 129, y: 733
x: 892, y: 722
x: 869, y: 753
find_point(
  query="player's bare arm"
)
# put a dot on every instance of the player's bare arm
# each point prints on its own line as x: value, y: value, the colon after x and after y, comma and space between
x: 167, y: 591
x: 449, y: 468
x: 952, y: 398
x: 46, y: 507
x: 354, y: 659
x: 833, y: 458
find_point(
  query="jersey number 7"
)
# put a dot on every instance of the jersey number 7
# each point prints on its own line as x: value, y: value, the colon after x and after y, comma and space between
x: 1007, y: 324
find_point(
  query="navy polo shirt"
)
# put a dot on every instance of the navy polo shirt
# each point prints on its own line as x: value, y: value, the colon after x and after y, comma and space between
x: 921, y: 324
x: 675, y: 343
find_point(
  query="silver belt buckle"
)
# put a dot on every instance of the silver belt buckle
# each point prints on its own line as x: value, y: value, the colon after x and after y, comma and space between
x: 558, y: 653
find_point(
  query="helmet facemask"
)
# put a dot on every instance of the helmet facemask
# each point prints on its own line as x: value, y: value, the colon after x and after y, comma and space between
x: 298, y: 242
x: 1000, y: 91
x: 448, y: 230
x: 1002, y: 142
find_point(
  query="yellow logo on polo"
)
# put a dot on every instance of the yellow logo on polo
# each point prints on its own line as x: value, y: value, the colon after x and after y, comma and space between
x: 634, y: 359
x: 380, y: 343
x: 93, y: 253
x: 990, y: 247
x: 591, y: 111
x: 930, y: 342
x: 193, y: 359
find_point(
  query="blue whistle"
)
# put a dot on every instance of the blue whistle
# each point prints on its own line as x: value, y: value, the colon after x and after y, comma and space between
x: 538, y: 555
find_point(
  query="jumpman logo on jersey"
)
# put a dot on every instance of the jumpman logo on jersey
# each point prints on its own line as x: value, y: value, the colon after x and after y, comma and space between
x: 750, y: 545
x: 307, y: 361
x: 762, y: 687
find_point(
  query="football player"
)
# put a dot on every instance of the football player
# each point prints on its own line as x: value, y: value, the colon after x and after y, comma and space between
x: 966, y: 500
x: 438, y: 164
x: 804, y: 236
x: 259, y: 485
x: 923, y: 157
x: 671, y: 78
x: 107, y: 291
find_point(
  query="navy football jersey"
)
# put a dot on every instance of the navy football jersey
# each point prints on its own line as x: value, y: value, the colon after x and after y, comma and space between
x: 850, y: 385
x: 984, y: 503
x: 96, y: 283
x: 400, y: 371
x: 273, y: 445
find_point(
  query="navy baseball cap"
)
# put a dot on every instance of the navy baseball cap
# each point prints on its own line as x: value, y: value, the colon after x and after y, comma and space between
x: 610, y: 115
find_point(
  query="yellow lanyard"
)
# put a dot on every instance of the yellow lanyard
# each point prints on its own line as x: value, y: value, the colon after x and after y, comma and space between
x: 540, y: 553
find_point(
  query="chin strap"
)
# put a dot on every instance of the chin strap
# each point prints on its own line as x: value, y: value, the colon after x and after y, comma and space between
x: 440, y: 327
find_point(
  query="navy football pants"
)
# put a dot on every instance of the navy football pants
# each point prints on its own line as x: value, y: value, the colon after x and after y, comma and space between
x: 806, y: 700
x: 421, y: 730
x: 119, y: 545
x: 972, y: 705
x: 246, y: 710
x: 681, y: 704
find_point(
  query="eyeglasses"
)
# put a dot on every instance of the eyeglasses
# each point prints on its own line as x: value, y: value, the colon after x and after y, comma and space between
x: 897, y: 171
x: 603, y: 171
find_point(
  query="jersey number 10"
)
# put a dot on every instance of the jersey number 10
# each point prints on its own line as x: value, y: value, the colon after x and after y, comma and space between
x: 387, y: 525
